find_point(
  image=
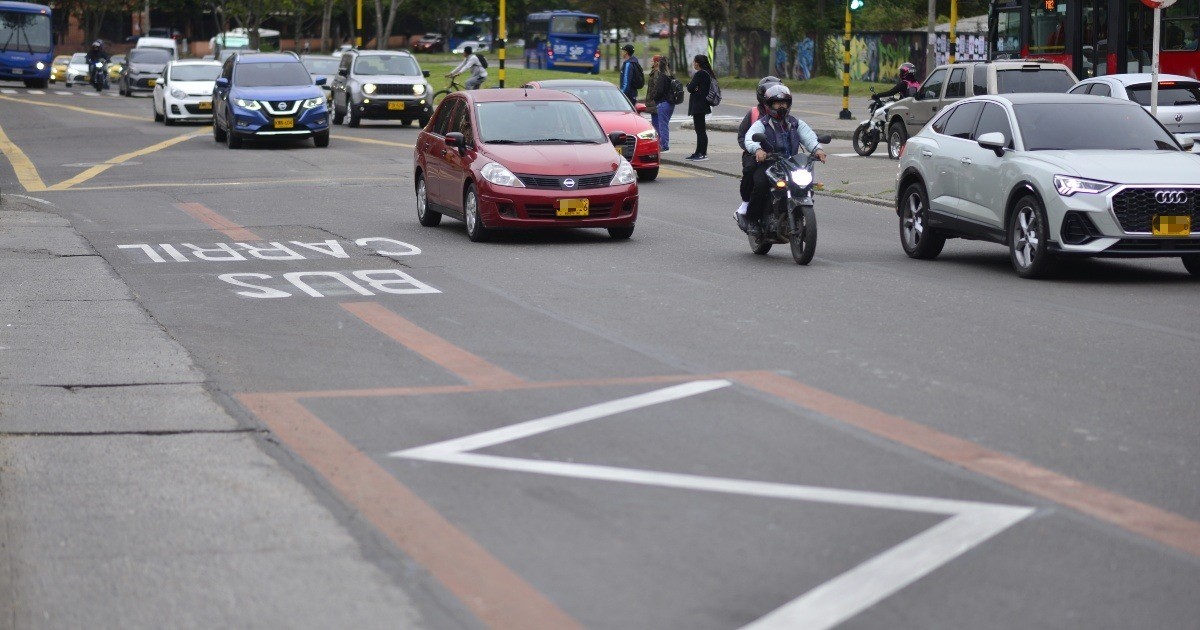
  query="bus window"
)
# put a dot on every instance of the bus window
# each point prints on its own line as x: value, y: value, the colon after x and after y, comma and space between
x: 574, y: 25
x: 1008, y: 34
x: 1181, y: 26
x: 1048, y: 28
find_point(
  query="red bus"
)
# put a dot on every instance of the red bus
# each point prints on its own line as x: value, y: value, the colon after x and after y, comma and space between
x: 1096, y: 37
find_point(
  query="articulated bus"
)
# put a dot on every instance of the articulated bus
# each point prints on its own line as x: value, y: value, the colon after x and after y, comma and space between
x: 563, y: 40
x: 26, y: 43
x: 1096, y: 37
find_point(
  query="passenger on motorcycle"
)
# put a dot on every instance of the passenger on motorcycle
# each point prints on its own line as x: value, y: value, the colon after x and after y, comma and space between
x: 748, y: 163
x: 907, y: 85
x: 784, y: 134
x: 96, y: 54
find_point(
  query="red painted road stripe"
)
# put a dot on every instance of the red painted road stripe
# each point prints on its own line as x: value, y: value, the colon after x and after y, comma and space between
x: 218, y: 222
x: 499, y: 597
x: 467, y: 389
x: 1165, y: 527
x: 461, y: 363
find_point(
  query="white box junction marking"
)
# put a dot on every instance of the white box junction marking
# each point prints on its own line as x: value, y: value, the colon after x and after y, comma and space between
x: 969, y: 524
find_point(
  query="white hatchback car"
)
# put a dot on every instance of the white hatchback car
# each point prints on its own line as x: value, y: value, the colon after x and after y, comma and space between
x: 1178, y: 98
x: 184, y: 92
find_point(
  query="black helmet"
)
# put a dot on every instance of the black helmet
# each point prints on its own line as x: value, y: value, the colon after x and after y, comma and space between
x: 763, y: 84
x: 908, y: 71
x: 778, y: 94
x: 97, y: 44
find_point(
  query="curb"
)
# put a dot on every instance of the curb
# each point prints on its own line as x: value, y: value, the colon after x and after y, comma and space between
x: 838, y: 134
x: 874, y: 201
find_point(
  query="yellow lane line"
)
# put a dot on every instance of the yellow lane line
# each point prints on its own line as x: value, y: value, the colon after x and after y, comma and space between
x: 245, y: 183
x: 667, y: 171
x: 100, y: 168
x: 26, y: 172
x: 73, y: 108
x: 370, y: 141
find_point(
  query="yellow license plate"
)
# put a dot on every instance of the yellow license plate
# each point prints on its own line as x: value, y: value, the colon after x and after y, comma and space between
x: 151, y: 82
x: 284, y: 123
x: 1171, y: 225
x: 205, y: 104
x: 395, y: 104
x: 573, y: 207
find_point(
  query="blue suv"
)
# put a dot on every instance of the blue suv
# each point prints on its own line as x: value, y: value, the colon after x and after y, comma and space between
x: 268, y: 95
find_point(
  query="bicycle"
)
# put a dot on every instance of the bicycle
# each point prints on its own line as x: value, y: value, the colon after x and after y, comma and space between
x: 450, y: 89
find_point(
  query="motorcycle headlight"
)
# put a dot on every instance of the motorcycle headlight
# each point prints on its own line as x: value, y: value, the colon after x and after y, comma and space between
x: 178, y: 93
x: 41, y: 66
x: 313, y: 102
x: 500, y: 176
x: 649, y: 134
x: 801, y: 177
x: 369, y: 88
x: 625, y: 174
x: 418, y: 89
x: 1067, y: 185
x: 245, y: 104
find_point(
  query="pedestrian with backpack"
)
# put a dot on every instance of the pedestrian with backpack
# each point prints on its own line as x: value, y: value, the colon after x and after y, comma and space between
x: 698, y: 103
x: 632, y: 77
x: 658, y: 100
x: 470, y: 62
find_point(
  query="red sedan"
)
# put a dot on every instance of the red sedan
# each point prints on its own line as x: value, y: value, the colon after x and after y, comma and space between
x: 615, y: 113
x: 515, y: 158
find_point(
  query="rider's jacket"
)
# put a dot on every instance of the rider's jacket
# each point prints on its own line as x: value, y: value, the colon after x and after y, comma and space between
x: 902, y: 87
x: 787, y: 135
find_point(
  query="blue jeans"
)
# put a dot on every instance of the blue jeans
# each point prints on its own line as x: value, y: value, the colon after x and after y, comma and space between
x: 662, y: 124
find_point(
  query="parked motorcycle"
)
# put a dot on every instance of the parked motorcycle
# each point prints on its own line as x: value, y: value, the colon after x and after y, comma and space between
x: 99, y: 76
x: 791, y: 217
x: 872, y: 130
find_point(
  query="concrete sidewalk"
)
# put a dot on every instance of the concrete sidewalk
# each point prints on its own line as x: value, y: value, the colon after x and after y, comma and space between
x: 870, y: 179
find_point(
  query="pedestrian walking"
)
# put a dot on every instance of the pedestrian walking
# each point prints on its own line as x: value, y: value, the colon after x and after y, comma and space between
x: 658, y: 99
x: 632, y: 78
x: 698, y: 106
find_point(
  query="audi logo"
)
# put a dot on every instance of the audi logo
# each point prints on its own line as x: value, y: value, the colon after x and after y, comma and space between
x: 1171, y: 196
x: 568, y: 183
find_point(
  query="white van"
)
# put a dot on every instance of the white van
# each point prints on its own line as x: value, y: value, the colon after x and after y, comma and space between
x: 159, y: 42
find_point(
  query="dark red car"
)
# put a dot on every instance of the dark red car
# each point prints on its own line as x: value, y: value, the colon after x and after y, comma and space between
x: 515, y: 158
x: 430, y: 43
x: 615, y: 113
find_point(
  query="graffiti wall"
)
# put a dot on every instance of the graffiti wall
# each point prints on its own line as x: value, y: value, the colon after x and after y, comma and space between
x: 876, y: 56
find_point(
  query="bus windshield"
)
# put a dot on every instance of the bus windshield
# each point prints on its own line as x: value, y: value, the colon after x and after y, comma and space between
x: 25, y: 32
x: 574, y: 25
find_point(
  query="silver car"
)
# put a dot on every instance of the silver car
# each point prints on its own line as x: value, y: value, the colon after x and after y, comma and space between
x: 1178, y: 97
x: 1050, y: 175
x: 381, y: 85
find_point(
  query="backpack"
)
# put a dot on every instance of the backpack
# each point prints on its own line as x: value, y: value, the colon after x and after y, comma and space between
x: 714, y: 92
x: 637, y: 79
x: 676, y: 88
x: 482, y: 60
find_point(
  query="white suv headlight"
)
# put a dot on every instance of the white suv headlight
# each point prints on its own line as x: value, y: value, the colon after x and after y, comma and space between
x: 625, y: 174
x: 501, y: 176
x: 1068, y: 185
x: 418, y: 89
x: 649, y: 134
x: 369, y: 88
x: 178, y: 93
x: 313, y: 102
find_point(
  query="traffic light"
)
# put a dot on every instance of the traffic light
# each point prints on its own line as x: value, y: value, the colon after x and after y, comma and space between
x: 856, y: 5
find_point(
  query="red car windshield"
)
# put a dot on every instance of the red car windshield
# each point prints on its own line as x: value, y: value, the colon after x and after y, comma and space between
x: 538, y: 122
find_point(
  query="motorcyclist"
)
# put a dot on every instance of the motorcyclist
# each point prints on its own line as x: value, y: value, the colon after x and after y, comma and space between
x: 748, y: 163
x: 96, y: 54
x: 785, y: 134
x: 906, y: 85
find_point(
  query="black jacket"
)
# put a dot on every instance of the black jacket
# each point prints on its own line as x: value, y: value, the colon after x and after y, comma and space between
x: 698, y: 94
x: 744, y: 128
x: 900, y: 88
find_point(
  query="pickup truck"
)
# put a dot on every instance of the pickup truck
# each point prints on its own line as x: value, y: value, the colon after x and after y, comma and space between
x: 951, y: 82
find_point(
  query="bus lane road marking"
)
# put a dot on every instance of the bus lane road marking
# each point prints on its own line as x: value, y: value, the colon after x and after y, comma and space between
x: 968, y: 523
x: 100, y: 168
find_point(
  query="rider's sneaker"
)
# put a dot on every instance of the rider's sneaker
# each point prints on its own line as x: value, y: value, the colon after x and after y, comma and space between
x: 742, y: 224
x: 700, y: 158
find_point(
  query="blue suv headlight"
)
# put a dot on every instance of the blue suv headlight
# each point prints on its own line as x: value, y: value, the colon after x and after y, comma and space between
x: 248, y: 105
x: 313, y: 102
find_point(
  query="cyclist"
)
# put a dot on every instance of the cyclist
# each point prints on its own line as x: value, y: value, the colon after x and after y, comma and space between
x: 470, y: 62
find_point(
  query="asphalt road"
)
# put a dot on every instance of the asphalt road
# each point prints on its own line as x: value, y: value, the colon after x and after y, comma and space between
x: 292, y: 405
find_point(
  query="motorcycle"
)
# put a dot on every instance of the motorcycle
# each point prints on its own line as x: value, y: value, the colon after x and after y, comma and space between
x: 99, y: 79
x: 872, y: 130
x: 791, y: 217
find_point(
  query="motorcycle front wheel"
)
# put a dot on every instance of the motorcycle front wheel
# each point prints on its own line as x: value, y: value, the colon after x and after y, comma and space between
x: 864, y: 141
x: 804, y: 239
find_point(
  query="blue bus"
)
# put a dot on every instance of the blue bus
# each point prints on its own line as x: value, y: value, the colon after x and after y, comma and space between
x: 468, y: 29
x: 563, y: 40
x: 26, y: 43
